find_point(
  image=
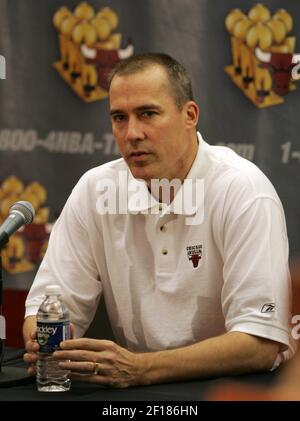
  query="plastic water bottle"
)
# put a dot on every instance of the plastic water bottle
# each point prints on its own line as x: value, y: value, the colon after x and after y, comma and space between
x: 53, y: 326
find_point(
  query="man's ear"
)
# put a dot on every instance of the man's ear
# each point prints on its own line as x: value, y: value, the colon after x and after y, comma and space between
x: 192, y: 112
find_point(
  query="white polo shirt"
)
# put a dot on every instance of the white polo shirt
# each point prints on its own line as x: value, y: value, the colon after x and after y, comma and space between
x: 174, y: 277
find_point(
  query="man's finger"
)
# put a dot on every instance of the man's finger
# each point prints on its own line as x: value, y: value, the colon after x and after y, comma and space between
x: 93, y: 378
x: 33, y: 335
x: 30, y: 358
x: 85, y: 367
x: 88, y: 344
x: 72, y: 330
x: 32, y: 346
x: 31, y: 370
x: 77, y: 355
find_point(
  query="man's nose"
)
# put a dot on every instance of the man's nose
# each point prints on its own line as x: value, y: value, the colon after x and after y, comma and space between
x: 134, y: 130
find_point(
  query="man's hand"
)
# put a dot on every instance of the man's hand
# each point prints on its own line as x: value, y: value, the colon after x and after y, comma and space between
x: 100, y: 361
x: 32, y: 349
x: 31, y: 356
x: 106, y: 363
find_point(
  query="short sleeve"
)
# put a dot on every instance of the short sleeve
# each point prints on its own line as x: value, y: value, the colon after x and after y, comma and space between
x: 256, y: 295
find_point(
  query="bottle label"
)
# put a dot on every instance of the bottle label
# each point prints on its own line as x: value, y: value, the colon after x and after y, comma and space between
x: 50, y: 334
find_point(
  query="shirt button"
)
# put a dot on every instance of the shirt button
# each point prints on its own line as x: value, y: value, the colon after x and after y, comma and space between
x: 164, y: 252
x: 160, y: 206
x: 163, y: 228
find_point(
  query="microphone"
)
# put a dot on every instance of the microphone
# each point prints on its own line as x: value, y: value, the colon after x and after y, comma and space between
x: 20, y: 213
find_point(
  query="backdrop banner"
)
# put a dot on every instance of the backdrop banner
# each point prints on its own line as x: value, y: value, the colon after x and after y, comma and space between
x: 55, y: 56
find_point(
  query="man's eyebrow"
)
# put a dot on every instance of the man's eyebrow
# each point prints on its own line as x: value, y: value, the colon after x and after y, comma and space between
x: 148, y: 107
x: 141, y: 108
x: 113, y: 112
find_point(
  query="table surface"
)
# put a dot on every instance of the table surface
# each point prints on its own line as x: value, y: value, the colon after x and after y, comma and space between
x: 181, y: 391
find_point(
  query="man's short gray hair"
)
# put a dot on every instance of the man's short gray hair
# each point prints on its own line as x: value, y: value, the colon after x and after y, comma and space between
x: 179, y: 81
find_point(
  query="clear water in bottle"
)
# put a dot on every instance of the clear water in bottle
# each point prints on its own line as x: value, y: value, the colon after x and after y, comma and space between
x: 53, y: 326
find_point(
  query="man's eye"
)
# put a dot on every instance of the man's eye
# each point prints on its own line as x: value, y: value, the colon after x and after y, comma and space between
x: 148, y: 113
x: 118, y: 117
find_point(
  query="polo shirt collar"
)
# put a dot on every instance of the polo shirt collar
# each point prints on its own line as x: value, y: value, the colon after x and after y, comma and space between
x: 141, y: 201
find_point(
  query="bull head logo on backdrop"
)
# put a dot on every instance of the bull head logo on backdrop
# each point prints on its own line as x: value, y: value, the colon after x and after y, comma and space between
x: 89, y: 48
x: 27, y: 247
x: 263, y: 53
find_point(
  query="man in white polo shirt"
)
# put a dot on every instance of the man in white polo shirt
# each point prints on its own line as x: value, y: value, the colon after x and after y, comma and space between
x: 196, y: 282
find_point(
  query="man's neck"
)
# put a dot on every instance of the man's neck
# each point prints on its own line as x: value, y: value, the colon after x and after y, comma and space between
x: 166, y: 192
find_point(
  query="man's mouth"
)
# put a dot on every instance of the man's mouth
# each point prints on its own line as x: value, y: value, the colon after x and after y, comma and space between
x: 138, y: 154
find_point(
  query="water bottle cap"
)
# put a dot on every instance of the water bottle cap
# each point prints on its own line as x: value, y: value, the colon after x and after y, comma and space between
x: 53, y: 290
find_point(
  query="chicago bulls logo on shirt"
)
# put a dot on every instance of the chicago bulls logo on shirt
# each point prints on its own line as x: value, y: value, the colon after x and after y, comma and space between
x: 194, y: 253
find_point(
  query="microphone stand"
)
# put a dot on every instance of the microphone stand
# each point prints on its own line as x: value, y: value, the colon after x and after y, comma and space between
x: 9, y: 376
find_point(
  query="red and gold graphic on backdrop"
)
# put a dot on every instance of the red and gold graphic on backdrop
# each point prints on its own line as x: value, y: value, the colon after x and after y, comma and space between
x: 27, y: 247
x: 89, y: 48
x: 263, y: 53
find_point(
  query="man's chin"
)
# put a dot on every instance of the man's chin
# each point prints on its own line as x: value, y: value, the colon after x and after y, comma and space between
x: 141, y: 173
